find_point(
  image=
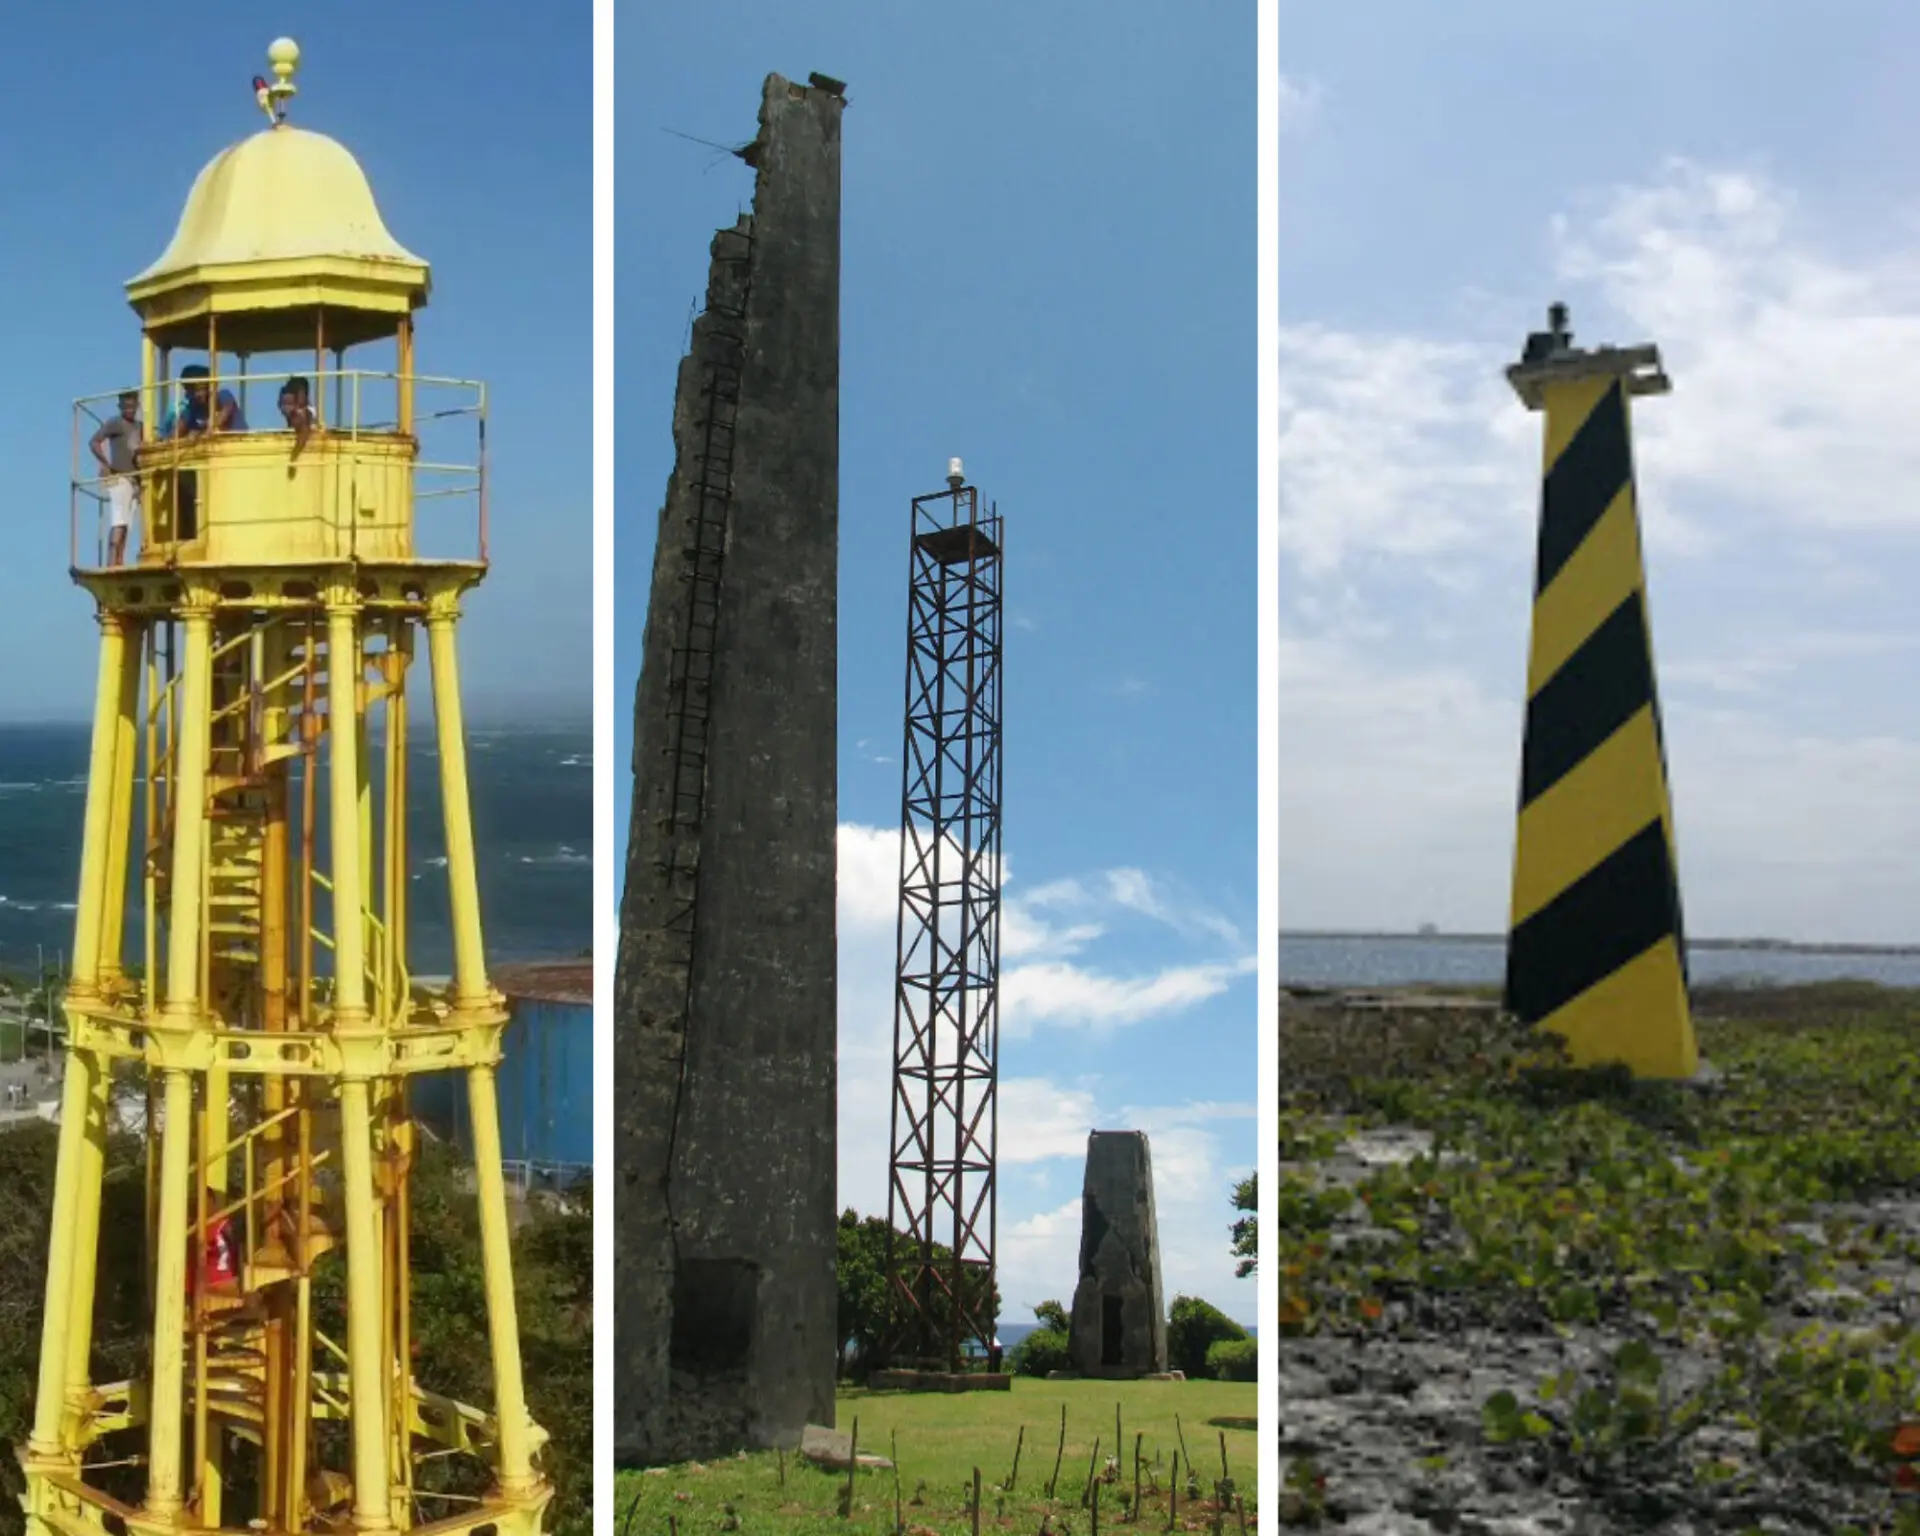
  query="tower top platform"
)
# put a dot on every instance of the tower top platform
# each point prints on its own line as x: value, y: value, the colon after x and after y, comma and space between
x: 277, y: 226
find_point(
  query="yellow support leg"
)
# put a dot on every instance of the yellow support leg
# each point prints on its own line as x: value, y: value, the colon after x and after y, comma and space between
x: 503, y: 1325
x: 47, y: 1441
x: 164, y: 1440
x: 46, y: 1444
x: 92, y: 1158
x: 180, y: 1014
x: 366, y: 1370
x: 113, y: 890
x: 463, y: 881
x: 97, y: 835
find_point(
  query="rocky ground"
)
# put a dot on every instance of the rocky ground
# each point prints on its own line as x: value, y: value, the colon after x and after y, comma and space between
x: 1770, y: 1369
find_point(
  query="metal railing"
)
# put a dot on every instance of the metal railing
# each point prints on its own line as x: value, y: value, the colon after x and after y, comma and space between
x: 361, y: 416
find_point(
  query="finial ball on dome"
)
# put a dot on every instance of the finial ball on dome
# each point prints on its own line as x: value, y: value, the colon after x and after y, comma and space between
x: 283, y: 53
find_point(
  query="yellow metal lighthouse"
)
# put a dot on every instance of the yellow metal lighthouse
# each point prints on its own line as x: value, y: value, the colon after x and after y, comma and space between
x: 248, y: 785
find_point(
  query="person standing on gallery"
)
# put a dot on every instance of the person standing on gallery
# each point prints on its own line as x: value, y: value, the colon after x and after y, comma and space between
x: 116, y: 446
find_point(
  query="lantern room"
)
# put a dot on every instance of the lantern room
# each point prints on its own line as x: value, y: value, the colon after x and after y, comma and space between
x: 279, y: 410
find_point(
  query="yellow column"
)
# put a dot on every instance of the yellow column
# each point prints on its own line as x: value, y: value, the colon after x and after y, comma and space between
x: 503, y: 1325
x: 63, y: 1255
x: 463, y: 881
x: 349, y: 879
x: 184, y: 918
x: 101, y: 795
x: 180, y: 1012
x: 120, y: 829
x: 366, y: 1371
x: 92, y: 1158
x: 49, y: 1401
x: 170, y: 1298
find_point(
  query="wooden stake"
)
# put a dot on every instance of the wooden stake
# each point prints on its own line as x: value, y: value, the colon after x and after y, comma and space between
x: 1015, y: 1473
x: 1173, y: 1492
x: 1096, y: 1510
x: 1059, y: 1451
x: 1138, y: 1436
x: 976, y: 1501
x: 1224, y: 1473
x: 853, y: 1466
x: 1092, y: 1462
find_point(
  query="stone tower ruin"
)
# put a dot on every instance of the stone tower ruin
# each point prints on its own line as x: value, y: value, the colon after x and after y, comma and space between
x: 724, y: 1299
x: 1119, y: 1326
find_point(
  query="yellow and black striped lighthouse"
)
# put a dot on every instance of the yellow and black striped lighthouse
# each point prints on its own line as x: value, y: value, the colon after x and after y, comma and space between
x: 1596, y: 952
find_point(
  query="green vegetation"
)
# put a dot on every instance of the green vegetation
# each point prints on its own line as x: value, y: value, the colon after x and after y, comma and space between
x: 1233, y: 1360
x: 1744, y: 1245
x: 1246, y: 1229
x: 1194, y: 1327
x: 553, y: 1273
x: 861, y: 1278
x: 937, y: 1440
x: 1045, y: 1349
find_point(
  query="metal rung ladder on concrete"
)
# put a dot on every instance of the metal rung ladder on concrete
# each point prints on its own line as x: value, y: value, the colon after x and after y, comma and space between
x: 690, y: 678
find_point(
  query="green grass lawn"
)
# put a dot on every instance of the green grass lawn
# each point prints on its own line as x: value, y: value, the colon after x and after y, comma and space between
x: 938, y: 1439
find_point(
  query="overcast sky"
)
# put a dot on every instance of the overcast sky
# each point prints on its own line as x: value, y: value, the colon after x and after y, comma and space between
x: 1743, y: 197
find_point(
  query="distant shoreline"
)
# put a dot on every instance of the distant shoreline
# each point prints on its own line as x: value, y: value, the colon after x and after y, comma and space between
x: 1768, y: 946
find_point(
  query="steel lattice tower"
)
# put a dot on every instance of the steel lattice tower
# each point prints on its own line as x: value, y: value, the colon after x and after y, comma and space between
x: 941, y: 1201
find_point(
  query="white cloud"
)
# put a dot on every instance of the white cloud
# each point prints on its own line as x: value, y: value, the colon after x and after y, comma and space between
x: 1138, y: 891
x: 1058, y: 992
x: 1040, y: 1120
x: 1394, y: 446
x: 1792, y: 366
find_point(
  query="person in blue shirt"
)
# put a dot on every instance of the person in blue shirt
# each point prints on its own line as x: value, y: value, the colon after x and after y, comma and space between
x: 198, y: 411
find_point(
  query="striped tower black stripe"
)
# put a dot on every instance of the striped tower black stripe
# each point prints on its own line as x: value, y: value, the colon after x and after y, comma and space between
x: 1582, y: 484
x: 1613, y: 914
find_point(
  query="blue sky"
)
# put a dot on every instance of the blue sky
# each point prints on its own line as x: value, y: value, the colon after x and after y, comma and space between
x: 497, y: 198
x: 1739, y: 195
x: 1048, y: 267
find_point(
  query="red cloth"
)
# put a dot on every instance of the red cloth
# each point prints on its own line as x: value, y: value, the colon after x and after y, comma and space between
x: 222, y: 1260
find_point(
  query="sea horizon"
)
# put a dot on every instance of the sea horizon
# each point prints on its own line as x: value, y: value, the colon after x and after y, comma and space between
x: 1335, y: 958
x: 531, y: 790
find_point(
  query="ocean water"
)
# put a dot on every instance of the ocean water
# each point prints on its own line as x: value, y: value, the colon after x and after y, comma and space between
x: 532, y: 797
x: 1388, y: 960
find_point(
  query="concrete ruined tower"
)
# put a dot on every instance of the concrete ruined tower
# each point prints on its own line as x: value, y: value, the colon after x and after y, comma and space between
x: 249, y: 779
x: 1118, y: 1326
x: 1596, y: 952
x: 725, y: 1037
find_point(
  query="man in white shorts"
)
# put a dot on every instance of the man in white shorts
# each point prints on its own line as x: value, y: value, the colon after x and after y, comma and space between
x: 114, y: 446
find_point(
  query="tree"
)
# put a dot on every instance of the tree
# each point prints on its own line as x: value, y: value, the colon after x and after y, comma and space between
x: 862, y: 1285
x: 1246, y: 1231
x: 861, y: 1275
x: 1046, y: 1348
x: 1194, y: 1327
